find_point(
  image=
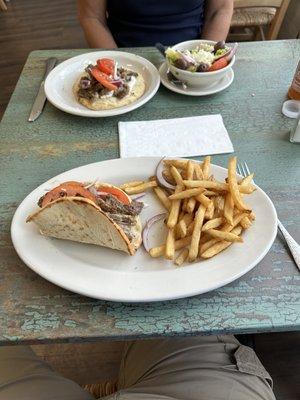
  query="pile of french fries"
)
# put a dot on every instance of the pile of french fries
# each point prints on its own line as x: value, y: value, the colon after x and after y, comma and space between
x: 205, y: 216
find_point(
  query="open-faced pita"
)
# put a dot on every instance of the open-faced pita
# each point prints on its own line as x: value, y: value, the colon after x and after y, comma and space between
x: 107, y: 103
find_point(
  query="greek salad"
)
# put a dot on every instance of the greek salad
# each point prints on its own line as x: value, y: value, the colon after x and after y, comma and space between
x: 203, y: 58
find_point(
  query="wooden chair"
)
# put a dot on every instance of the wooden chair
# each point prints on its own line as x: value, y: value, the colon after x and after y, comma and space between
x: 102, y: 389
x: 256, y: 15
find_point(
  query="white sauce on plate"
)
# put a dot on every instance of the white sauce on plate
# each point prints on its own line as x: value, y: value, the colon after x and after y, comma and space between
x: 131, y: 84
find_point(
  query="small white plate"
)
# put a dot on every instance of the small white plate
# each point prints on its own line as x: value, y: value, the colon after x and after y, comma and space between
x: 60, y: 81
x: 111, y: 275
x: 196, y: 91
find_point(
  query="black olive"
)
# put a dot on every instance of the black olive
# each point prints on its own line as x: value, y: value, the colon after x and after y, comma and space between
x: 219, y: 45
x: 181, y: 63
x: 202, y: 67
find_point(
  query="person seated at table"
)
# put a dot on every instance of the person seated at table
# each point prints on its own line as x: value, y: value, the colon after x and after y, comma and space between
x: 129, y: 23
x: 195, y: 368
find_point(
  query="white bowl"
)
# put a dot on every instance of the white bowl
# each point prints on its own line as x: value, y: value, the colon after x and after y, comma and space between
x: 203, y: 79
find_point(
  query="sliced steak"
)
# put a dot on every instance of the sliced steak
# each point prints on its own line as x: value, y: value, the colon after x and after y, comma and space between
x: 110, y: 204
x: 126, y: 73
x: 122, y: 91
x: 122, y: 219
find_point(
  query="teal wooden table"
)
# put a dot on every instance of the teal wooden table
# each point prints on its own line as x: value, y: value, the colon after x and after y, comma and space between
x: 266, y: 299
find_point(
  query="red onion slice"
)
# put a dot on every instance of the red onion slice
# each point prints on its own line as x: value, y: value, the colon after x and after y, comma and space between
x: 99, y: 193
x: 147, y: 228
x: 160, y: 177
x: 117, y: 82
x: 138, y: 196
x: 96, y: 192
x: 187, y: 58
x: 232, y: 53
x: 93, y: 190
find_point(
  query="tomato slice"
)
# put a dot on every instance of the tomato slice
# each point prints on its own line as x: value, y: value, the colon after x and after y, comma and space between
x: 104, y: 79
x: 106, y: 65
x: 70, y: 189
x: 116, y: 192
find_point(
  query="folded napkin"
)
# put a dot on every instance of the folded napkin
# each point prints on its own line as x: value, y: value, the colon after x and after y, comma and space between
x: 178, y: 137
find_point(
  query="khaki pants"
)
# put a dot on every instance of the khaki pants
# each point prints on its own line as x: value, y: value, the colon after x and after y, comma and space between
x: 208, y: 368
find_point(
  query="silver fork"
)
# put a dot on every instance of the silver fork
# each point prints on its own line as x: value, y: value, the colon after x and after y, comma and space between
x: 294, y: 247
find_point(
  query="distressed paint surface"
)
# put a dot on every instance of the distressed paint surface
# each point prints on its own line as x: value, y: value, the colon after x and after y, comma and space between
x: 267, y: 299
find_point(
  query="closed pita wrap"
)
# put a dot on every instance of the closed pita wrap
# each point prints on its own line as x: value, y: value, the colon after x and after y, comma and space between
x: 81, y: 220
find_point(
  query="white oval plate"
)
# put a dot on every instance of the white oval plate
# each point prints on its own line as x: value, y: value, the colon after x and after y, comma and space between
x: 111, y: 275
x: 60, y: 81
x: 196, y: 91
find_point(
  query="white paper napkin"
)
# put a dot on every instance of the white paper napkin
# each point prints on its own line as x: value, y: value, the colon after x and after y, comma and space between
x: 178, y: 137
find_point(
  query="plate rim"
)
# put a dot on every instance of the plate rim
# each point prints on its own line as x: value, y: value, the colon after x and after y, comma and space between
x: 103, y: 113
x: 175, y: 89
x: 195, y: 292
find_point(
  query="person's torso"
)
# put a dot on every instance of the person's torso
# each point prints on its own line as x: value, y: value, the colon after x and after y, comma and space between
x: 145, y: 22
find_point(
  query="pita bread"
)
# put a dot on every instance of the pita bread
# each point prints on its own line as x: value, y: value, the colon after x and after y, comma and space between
x: 108, y: 103
x: 81, y: 220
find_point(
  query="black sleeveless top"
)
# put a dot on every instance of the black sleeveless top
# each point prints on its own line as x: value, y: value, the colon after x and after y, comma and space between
x: 145, y: 22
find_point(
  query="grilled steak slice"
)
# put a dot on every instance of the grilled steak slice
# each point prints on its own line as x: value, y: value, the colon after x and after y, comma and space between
x: 112, y: 205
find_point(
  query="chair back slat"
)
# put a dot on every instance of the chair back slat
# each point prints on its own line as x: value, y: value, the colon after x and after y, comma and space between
x: 257, y: 3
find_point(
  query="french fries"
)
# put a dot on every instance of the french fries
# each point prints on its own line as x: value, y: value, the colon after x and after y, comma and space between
x: 168, y: 176
x: 190, y: 169
x: 179, y: 163
x: 203, y: 200
x: 209, y: 213
x: 170, y: 245
x: 206, y: 167
x: 176, y: 175
x: 246, y: 223
x: 210, y: 193
x: 179, y: 244
x: 220, y: 246
x: 198, y: 222
x: 140, y: 188
x: 182, y: 257
x: 190, y: 228
x: 246, y: 181
x: 219, y: 202
x: 191, y: 204
x: 233, y: 186
x: 228, y: 236
x: 212, y: 224
x: 198, y: 172
x: 131, y: 184
x: 186, y: 194
x: 222, y: 187
x: 204, y: 246
x: 163, y: 198
x: 205, y: 215
x: 182, y: 226
x: 174, y: 209
x: 228, y: 208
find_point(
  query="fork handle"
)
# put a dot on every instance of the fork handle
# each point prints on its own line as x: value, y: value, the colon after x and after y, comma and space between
x: 293, y: 245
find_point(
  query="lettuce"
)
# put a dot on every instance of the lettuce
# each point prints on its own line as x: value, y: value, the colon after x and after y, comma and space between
x: 220, y: 52
x: 172, y: 55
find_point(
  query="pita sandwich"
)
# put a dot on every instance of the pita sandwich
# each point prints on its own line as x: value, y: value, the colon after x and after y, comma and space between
x: 101, y: 214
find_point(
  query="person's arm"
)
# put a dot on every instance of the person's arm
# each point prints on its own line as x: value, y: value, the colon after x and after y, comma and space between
x: 217, y: 18
x: 92, y: 18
